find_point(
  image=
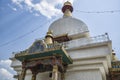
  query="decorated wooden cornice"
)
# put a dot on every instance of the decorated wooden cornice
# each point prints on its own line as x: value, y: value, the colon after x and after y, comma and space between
x: 38, y: 50
x: 44, y: 48
x: 115, y: 66
x: 115, y: 70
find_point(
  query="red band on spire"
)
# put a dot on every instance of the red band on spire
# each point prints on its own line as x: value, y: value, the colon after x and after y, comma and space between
x: 67, y: 7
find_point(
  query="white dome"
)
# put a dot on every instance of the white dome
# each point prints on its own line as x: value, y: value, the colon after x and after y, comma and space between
x: 68, y: 25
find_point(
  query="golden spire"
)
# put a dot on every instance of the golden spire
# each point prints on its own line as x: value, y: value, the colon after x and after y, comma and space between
x: 67, y: 3
x: 49, y: 33
x: 49, y: 37
x: 67, y: 9
x: 114, y: 58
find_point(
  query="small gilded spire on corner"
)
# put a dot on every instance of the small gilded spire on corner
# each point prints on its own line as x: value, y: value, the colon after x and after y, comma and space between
x: 114, y: 58
x: 49, y: 37
x: 49, y: 33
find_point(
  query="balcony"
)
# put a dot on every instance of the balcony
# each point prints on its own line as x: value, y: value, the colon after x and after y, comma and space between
x: 86, y: 41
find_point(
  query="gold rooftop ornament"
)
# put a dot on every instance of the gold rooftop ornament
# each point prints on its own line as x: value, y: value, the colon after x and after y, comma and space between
x: 49, y: 37
x: 67, y: 9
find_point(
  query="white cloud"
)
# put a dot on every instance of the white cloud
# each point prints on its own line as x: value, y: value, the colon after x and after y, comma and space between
x: 5, y: 75
x: 36, y: 14
x: 6, y: 72
x: 44, y: 7
x: 18, y: 2
x: 14, y: 9
x: 29, y: 3
x: 6, y: 64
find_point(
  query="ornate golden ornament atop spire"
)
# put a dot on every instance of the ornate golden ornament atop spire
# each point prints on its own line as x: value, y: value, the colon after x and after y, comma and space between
x: 49, y: 37
x: 114, y: 58
x: 67, y: 9
x: 49, y: 33
x: 67, y: 3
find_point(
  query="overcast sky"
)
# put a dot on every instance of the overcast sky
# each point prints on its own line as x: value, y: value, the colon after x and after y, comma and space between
x: 23, y: 21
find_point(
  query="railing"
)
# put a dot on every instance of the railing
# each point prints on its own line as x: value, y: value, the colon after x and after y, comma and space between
x: 77, y: 42
x: 86, y: 41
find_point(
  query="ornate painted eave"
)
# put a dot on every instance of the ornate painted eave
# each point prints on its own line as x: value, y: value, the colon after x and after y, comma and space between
x: 115, y: 70
x: 115, y: 66
x: 51, y: 50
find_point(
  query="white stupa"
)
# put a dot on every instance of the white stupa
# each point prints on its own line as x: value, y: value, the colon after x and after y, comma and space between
x: 91, y: 56
x: 68, y: 24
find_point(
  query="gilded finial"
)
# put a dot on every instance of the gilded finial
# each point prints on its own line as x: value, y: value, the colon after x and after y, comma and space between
x: 49, y: 33
x: 67, y: 3
x: 114, y: 56
x: 49, y: 37
x: 67, y: 9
